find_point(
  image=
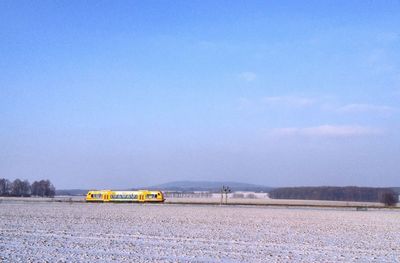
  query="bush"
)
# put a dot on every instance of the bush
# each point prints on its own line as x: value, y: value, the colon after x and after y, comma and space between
x: 389, y: 199
x: 251, y: 196
x: 238, y: 195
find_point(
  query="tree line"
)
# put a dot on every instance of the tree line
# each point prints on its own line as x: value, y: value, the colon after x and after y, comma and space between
x: 23, y: 188
x: 349, y: 193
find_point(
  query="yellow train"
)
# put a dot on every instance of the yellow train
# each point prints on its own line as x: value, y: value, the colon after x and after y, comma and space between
x: 140, y: 196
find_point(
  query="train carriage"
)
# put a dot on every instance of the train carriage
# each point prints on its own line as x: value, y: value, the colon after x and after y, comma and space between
x: 140, y: 196
x: 124, y: 196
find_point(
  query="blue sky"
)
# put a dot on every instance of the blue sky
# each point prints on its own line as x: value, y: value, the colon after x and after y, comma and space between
x: 128, y: 93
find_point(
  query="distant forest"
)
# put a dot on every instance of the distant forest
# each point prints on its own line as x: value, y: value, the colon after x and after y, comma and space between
x: 21, y: 188
x: 349, y: 193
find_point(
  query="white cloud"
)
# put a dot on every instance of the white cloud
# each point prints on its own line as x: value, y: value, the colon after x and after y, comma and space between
x: 327, y: 131
x: 354, y: 108
x: 289, y: 101
x: 248, y: 76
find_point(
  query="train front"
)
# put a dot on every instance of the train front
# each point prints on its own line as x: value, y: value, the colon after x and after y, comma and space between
x: 97, y: 196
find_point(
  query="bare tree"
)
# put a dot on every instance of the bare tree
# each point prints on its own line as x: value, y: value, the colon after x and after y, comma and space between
x: 26, y: 188
x: 16, y: 188
x: 20, y: 188
x: 35, y: 188
x: 50, y: 189
x: 5, y: 187
x: 43, y: 188
x: 389, y: 199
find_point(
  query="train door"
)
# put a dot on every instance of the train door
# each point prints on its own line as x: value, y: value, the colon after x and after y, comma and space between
x: 141, y: 197
x: 106, y: 197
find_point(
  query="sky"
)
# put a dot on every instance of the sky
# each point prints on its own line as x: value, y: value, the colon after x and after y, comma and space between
x: 119, y: 94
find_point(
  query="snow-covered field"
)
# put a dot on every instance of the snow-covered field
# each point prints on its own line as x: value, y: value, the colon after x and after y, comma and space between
x: 74, y: 232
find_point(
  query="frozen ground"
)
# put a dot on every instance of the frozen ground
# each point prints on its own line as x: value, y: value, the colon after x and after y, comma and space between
x: 75, y: 232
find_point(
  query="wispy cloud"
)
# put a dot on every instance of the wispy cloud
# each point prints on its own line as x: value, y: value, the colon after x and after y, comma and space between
x: 248, y: 76
x: 356, y: 108
x: 327, y: 131
x: 289, y: 101
x: 321, y: 104
x: 277, y: 102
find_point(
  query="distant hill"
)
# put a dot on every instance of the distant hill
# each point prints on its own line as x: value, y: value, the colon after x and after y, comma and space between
x: 209, y: 186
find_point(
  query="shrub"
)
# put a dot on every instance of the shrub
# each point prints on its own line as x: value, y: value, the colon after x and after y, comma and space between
x: 389, y: 199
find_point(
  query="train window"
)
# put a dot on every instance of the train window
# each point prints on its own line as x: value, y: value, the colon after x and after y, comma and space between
x: 96, y: 195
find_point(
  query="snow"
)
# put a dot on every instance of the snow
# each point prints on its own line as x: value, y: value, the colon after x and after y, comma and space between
x: 76, y: 232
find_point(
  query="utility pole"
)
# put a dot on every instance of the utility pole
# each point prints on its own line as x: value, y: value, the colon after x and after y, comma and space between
x: 222, y: 195
x: 225, y: 190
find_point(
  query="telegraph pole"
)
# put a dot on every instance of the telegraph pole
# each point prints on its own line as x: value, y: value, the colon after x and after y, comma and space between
x: 225, y: 190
